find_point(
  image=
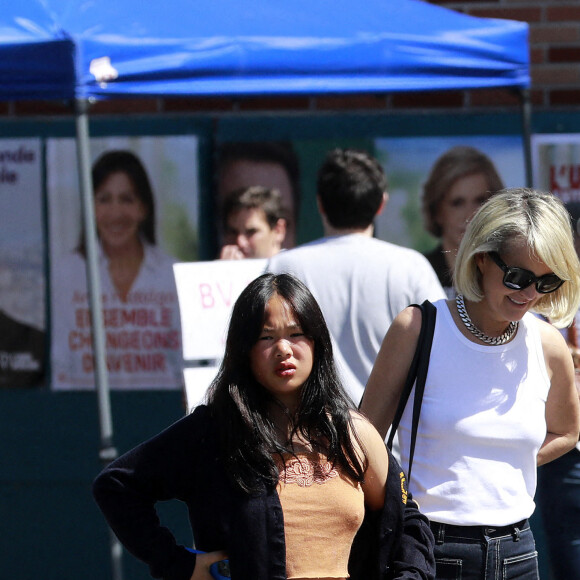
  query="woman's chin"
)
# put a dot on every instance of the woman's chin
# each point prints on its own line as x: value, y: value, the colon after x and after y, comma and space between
x: 120, y: 244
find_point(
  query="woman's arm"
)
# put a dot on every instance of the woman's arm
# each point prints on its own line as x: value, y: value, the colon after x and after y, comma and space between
x: 562, y: 405
x: 386, y: 381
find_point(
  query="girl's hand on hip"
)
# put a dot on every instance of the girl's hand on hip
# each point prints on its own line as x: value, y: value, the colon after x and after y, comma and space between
x: 204, y: 561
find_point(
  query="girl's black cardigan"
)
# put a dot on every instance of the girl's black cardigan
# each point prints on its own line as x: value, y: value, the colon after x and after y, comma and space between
x: 183, y: 463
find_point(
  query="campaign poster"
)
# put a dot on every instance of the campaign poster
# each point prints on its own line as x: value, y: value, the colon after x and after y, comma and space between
x: 22, y: 283
x: 146, y: 200
x: 408, y: 161
x: 556, y: 165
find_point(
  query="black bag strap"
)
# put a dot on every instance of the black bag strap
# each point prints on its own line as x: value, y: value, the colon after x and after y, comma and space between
x: 416, y: 377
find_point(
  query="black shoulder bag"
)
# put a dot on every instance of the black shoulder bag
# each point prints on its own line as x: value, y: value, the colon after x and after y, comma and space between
x: 416, y: 376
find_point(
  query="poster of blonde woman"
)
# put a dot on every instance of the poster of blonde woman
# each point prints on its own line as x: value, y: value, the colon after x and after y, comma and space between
x: 408, y: 163
x: 145, y: 197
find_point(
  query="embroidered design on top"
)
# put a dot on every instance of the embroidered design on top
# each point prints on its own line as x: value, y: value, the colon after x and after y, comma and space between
x: 305, y: 472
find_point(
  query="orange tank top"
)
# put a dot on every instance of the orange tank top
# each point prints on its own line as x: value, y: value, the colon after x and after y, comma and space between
x: 323, y: 509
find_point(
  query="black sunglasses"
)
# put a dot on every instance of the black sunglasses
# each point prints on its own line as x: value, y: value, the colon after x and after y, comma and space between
x: 519, y: 278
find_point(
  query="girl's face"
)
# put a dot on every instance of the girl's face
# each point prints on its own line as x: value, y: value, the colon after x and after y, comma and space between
x: 282, y: 357
x: 505, y: 304
x: 118, y: 211
x: 458, y: 206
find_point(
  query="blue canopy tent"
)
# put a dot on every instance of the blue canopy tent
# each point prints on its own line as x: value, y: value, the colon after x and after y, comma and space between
x: 105, y: 50
x: 66, y: 50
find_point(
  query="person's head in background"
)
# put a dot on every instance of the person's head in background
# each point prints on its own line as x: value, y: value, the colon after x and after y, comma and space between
x: 351, y: 190
x: 459, y: 182
x: 270, y: 164
x: 253, y: 222
x: 124, y: 203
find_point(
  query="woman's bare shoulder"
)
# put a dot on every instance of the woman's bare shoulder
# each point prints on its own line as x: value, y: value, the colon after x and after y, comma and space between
x: 408, y: 321
x: 553, y: 342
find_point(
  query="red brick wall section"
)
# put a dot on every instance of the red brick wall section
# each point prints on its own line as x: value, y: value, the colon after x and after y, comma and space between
x: 554, y: 54
x: 554, y: 44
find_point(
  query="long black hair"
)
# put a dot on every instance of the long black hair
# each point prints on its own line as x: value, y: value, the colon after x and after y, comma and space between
x: 241, y: 404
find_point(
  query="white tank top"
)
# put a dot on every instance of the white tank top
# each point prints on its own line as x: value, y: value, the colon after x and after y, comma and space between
x: 482, y: 424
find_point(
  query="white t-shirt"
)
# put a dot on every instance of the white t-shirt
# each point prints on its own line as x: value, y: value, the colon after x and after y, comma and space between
x: 361, y: 284
x: 142, y: 334
x: 482, y: 423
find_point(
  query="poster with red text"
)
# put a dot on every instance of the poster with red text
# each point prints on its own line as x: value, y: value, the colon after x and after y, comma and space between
x: 146, y: 210
x: 556, y: 165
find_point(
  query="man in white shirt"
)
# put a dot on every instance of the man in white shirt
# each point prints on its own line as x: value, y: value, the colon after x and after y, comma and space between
x: 360, y: 282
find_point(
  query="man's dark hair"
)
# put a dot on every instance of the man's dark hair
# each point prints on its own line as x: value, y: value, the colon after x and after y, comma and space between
x: 350, y: 187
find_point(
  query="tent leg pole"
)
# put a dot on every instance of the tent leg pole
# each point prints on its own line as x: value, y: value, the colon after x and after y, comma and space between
x: 107, y: 451
x: 527, y: 134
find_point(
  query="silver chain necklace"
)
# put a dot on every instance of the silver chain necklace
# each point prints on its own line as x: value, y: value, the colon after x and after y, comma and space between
x: 495, y: 340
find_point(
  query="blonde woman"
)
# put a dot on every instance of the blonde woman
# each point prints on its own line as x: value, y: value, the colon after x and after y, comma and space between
x: 499, y: 397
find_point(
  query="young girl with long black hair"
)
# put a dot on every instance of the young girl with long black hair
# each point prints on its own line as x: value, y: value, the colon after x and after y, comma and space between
x: 280, y: 474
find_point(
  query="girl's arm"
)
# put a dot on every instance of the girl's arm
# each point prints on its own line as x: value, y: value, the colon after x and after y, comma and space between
x: 409, y: 547
x: 386, y: 381
x: 126, y: 491
x: 377, y: 462
x: 562, y: 405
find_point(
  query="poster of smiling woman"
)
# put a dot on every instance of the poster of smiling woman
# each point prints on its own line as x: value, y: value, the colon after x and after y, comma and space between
x: 145, y: 193
x: 408, y: 162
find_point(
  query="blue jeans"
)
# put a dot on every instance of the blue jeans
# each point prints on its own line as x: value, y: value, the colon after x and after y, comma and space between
x: 558, y: 499
x: 485, y: 553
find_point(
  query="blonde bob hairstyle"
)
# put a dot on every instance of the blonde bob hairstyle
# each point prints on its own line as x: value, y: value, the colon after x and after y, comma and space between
x: 541, y: 221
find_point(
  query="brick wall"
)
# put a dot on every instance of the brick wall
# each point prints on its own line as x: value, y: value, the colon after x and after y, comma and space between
x: 554, y: 44
x: 554, y: 53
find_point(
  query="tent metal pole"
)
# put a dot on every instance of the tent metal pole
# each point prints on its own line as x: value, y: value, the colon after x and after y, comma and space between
x: 527, y: 134
x: 107, y: 450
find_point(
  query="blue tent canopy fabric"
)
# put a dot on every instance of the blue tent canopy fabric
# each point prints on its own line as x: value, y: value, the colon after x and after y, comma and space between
x: 36, y: 61
x: 63, y: 48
